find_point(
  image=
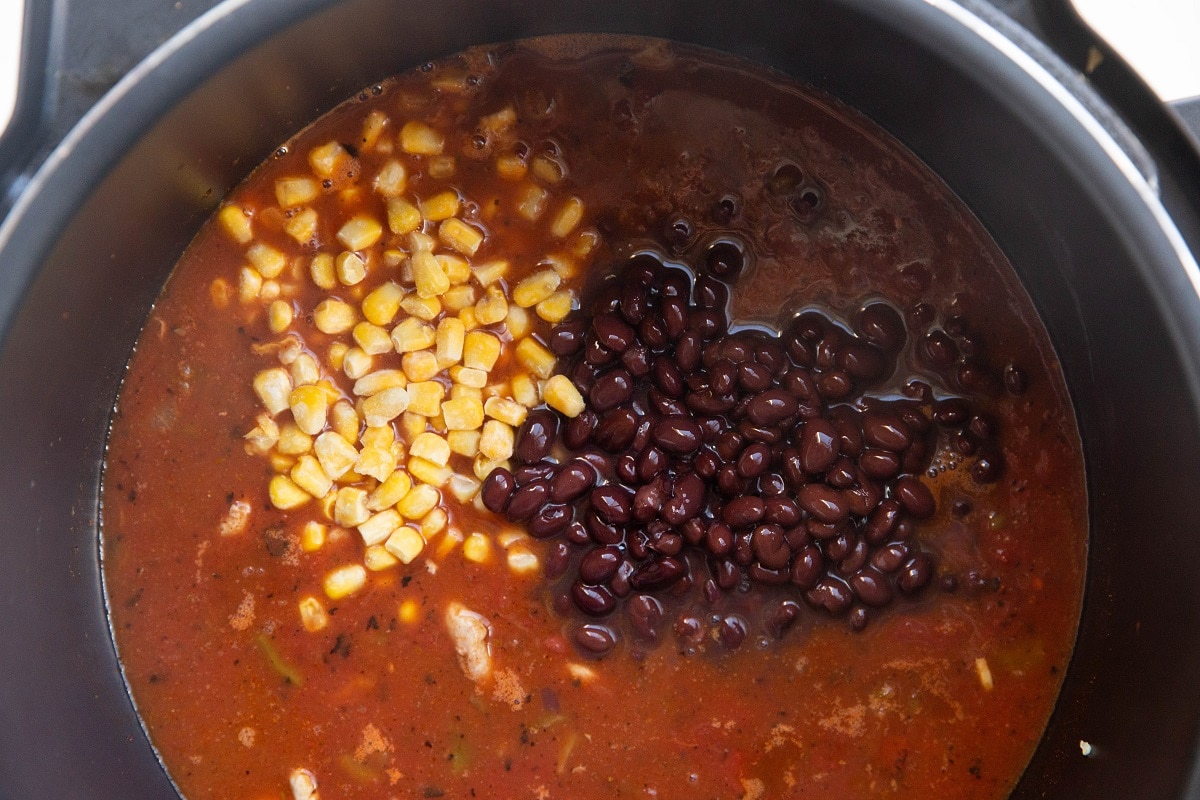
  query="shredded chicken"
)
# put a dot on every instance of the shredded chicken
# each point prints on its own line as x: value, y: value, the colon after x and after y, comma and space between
x: 470, y: 633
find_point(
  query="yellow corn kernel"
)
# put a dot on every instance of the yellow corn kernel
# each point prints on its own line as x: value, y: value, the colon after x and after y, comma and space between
x: 465, y: 443
x: 468, y: 376
x: 536, y: 288
x: 360, y: 232
x: 332, y: 316
x: 507, y: 411
x: 463, y: 487
x: 305, y: 370
x: 403, y: 216
x: 344, y: 420
x: 459, y: 298
x: 556, y: 307
x: 428, y: 472
x: 392, y: 179
x: 310, y: 408
x: 457, y: 269
x: 350, y: 507
x: 267, y: 260
x: 584, y: 243
x: 524, y: 390
x: 308, y: 475
x: 274, y: 388
x: 390, y: 492
x: 419, y: 139
x: 249, y: 284
x: 517, y: 322
x: 458, y: 390
x: 459, y: 236
x: 535, y: 358
x: 483, y: 466
x: 405, y: 544
x: 420, y: 365
x: 292, y: 192
x: 496, y: 440
x: 281, y: 463
x: 376, y: 558
x: 522, y: 561
x: 376, y: 462
x: 420, y: 501
x: 344, y: 581
x: 567, y: 218
x: 350, y: 268
x: 373, y: 340
x: 335, y: 453
x: 547, y: 170
x: 382, y: 303
x: 467, y: 318
x: 375, y: 382
x: 218, y: 293
x: 477, y: 548
x: 373, y: 127
x: 566, y: 267
x: 431, y: 447
x: 412, y: 425
x: 380, y: 409
x: 294, y: 442
x: 279, y: 316
x: 511, y: 167
x: 441, y: 206
x: 426, y: 308
x: 326, y: 505
x: 322, y: 271
x: 332, y: 393
x: 441, y: 166
x: 312, y: 536
x: 450, y: 541
x: 412, y: 334
x: 462, y: 414
x: 378, y: 436
x: 498, y: 122
x: 357, y: 363
x: 492, y: 307
x: 449, y: 341
x: 236, y: 223
x: 490, y: 272
x: 270, y: 290
x: 425, y: 398
x: 562, y: 396
x: 302, y: 226
x: 531, y: 202
x: 409, y: 612
x: 480, y: 350
x: 325, y: 159
x: 313, y: 615
x: 285, y: 494
x: 421, y: 241
x: 264, y: 436
x: 433, y: 523
x: 378, y: 527
x: 428, y: 275
x: 510, y: 536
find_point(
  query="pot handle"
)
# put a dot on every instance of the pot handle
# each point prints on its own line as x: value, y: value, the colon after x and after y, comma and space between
x: 37, y: 97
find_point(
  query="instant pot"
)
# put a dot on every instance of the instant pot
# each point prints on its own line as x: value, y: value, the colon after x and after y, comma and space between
x: 1088, y: 183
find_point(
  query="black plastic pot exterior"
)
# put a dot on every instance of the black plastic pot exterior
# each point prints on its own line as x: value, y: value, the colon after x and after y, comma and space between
x: 87, y: 248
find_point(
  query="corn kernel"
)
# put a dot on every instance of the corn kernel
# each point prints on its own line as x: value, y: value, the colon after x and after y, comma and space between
x: 450, y: 541
x: 335, y: 453
x: 425, y: 398
x: 380, y: 409
x: 344, y: 420
x: 308, y: 475
x: 511, y: 167
x: 373, y: 340
x: 350, y: 507
x: 270, y: 290
x: 322, y: 271
x: 376, y: 558
x: 236, y: 223
x: 562, y: 396
x: 391, y: 179
x: 507, y: 411
x: 325, y: 159
x: 457, y: 269
x: 292, y: 192
x: 405, y: 544
x: 490, y: 272
x: 531, y: 202
x: 412, y: 425
x: 535, y: 358
x: 332, y: 316
x: 483, y: 466
x: 458, y: 390
x: 376, y: 462
x: 459, y: 298
x: 375, y: 382
x: 477, y: 548
x: 418, y: 502
x: 267, y: 260
x: 249, y: 284
x: 467, y: 318
x: 218, y: 293
x: 350, y: 268
x: 274, y: 388
x: 373, y: 127
x: 431, y: 447
x: 547, y: 170
x: 403, y: 216
x: 462, y: 414
x: 420, y: 366
x: 524, y: 390
x: 463, y: 487
x: 326, y: 504
x: 285, y: 494
x: 517, y: 322
x: 310, y: 408
x: 459, y: 236
x: 556, y: 307
x: 264, y: 436
x: 380, y: 436
x: 294, y: 442
x: 465, y: 443
x: 449, y: 340
x: 492, y: 307
x: 522, y: 561
x: 281, y: 463
x: 357, y: 363
x: 421, y: 241
x: 379, y: 527
x: 360, y: 232
x: 313, y: 615
x: 496, y: 440
x: 434, y: 523
x: 568, y: 218
x: 412, y: 335
x: 409, y: 611
x: 480, y: 350
x: 302, y: 226
x: 428, y: 472
x: 536, y: 288
x: 345, y: 581
x: 382, y: 303
x: 312, y: 536
x: 441, y: 166
x: 419, y: 139
x: 468, y: 376
x: 390, y: 492
x: 566, y: 267
x: 428, y: 275
x: 426, y: 308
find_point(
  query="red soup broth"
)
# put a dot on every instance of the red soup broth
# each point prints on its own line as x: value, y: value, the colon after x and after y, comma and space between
x: 257, y: 675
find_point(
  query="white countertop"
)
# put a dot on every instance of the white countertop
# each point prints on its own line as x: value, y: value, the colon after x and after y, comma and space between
x: 1161, y: 38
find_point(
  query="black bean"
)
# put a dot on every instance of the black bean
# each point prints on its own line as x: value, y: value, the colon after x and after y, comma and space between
x: 677, y: 434
x: 982, y: 427
x: 596, y: 354
x: 652, y: 333
x: 706, y: 463
x: 951, y: 411
x: 579, y: 430
x: 937, y: 349
x: 771, y: 407
x: 824, y: 503
x: 886, y: 430
x: 743, y: 511
x: 498, y: 488
x: 754, y: 460
x: 878, y: 463
x: 818, y: 445
x: 636, y: 359
x: 781, y: 616
x: 753, y: 377
x: 770, y: 547
x: 607, y: 298
x: 863, y: 496
x: 850, y: 435
x: 687, y: 351
x: 771, y: 484
x: 914, y: 496
x: 1016, y: 380
x: 527, y: 500
x: 645, y: 616
x: 626, y: 467
x: 613, y: 332
x: 732, y: 631
x: 600, y: 564
x: 890, y: 557
x: 648, y: 501
x: 667, y: 377
x: 536, y: 436
x: 528, y: 473
x: 669, y: 543
x: 611, y: 389
x: 687, y: 498
x: 689, y: 629
x: 831, y: 594
x: 599, y: 640
x: 550, y: 520
x: 706, y: 402
x: 863, y: 362
x: 593, y: 600
x: 616, y: 429
x: 725, y: 259
x: 572, y: 481
x: 709, y: 292
x: 729, y: 483
x: 619, y: 583
x: 807, y: 566
x: 719, y: 539
x: 635, y: 304
x: 723, y: 376
x: 978, y: 379
x: 858, y: 619
x: 882, y: 522
x: 566, y: 339
x: 693, y: 530
x: 674, y: 316
x: 613, y: 504
x: 577, y: 533
x: 657, y: 573
x: 558, y: 558
x: 601, y: 531
x: 781, y: 511
x: 871, y: 587
x: 835, y: 384
x: 915, y: 574
x: 727, y: 574
x: 882, y: 326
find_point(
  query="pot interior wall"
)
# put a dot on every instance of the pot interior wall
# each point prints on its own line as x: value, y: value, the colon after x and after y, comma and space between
x: 1059, y: 210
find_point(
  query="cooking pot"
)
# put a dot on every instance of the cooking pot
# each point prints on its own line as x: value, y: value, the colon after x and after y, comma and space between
x: 1096, y: 219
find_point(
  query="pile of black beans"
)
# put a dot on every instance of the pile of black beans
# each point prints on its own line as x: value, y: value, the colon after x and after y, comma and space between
x: 718, y: 476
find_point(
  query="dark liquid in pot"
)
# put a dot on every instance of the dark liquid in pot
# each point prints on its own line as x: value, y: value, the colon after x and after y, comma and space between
x: 670, y: 149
